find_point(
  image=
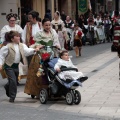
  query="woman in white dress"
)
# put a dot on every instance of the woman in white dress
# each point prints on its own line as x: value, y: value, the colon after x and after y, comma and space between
x: 11, y: 18
x: 100, y: 29
x: 58, y: 25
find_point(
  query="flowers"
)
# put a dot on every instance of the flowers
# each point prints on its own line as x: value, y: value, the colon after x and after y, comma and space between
x: 79, y: 33
x: 45, y: 56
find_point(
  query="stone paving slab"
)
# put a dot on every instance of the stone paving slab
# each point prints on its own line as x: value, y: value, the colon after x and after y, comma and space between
x: 100, y: 93
x: 23, y: 99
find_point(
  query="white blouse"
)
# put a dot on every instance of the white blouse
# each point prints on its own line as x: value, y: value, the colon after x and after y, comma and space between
x: 4, y: 52
x: 7, y: 28
x: 35, y: 28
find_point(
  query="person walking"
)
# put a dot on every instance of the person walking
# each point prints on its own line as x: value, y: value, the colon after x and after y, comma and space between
x: 69, y: 25
x: 10, y: 57
x: 99, y: 29
x: 78, y: 34
x: 11, y: 18
x: 47, y: 37
x: 31, y: 28
x: 58, y: 25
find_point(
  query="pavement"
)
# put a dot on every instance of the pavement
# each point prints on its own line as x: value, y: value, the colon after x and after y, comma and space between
x: 100, y: 93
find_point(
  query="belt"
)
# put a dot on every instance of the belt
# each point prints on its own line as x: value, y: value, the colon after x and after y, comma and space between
x: 14, y: 65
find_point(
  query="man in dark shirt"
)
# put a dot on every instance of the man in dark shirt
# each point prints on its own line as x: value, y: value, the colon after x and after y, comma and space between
x: 48, y: 15
x: 63, y: 16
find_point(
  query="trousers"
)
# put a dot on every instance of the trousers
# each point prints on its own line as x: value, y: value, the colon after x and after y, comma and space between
x: 12, y: 74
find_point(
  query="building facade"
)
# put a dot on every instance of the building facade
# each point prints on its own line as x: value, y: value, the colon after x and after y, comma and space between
x: 69, y: 6
x: 19, y: 6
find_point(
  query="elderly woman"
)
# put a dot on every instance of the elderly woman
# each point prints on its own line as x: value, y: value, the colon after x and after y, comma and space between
x: 11, y: 18
x: 47, y: 37
x: 58, y: 25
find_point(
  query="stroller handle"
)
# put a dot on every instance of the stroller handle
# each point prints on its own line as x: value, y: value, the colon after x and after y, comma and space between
x: 66, y: 69
x: 45, y: 47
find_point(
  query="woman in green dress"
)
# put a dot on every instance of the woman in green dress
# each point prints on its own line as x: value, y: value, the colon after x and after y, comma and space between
x: 47, y: 37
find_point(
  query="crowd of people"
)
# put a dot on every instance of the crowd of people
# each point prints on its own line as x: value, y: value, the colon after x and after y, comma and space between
x: 61, y: 31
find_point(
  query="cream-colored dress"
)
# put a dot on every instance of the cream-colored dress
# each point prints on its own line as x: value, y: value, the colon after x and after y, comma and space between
x: 41, y: 37
x: 61, y: 30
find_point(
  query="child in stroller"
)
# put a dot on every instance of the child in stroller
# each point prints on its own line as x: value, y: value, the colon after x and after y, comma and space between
x: 60, y: 87
x: 65, y: 62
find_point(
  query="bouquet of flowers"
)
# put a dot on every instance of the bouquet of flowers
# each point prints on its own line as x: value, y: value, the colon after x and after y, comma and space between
x: 45, y: 56
x: 79, y: 33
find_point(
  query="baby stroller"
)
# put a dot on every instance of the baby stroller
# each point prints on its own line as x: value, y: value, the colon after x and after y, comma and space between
x: 58, y: 87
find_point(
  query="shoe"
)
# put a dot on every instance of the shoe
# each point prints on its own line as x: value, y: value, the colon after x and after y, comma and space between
x: 11, y: 100
x: 82, y: 79
x: 7, y: 90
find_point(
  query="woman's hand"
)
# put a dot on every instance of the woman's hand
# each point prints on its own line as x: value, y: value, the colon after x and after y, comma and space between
x: 0, y: 67
x: 39, y: 46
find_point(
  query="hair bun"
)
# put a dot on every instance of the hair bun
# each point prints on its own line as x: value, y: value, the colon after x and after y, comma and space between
x: 11, y: 15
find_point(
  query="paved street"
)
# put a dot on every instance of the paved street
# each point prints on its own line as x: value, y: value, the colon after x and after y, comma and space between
x: 100, y: 93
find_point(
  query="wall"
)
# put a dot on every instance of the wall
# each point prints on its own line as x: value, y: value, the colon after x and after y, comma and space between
x: 39, y: 6
x: 5, y: 8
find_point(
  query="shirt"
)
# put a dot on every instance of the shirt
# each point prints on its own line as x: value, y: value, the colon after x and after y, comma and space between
x: 4, y: 52
x: 7, y: 28
x: 35, y: 28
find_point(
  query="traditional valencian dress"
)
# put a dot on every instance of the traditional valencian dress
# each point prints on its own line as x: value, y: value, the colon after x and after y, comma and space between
x: 30, y: 31
x: 7, y: 28
x: 107, y: 27
x: 50, y: 39
x: 67, y: 74
x: 78, y: 34
x: 33, y: 83
x: 60, y: 29
x: 100, y: 29
x: 69, y: 25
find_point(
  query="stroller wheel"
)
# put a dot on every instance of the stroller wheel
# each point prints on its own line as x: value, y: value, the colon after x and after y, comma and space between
x: 32, y: 96
x: 43, y: 96
x: 77, y: 97
x: 70, y: 98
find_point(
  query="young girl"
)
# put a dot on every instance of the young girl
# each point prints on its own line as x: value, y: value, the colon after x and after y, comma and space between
x: 78, y: 34
x: 10, y: 56
x: 65, y: 61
